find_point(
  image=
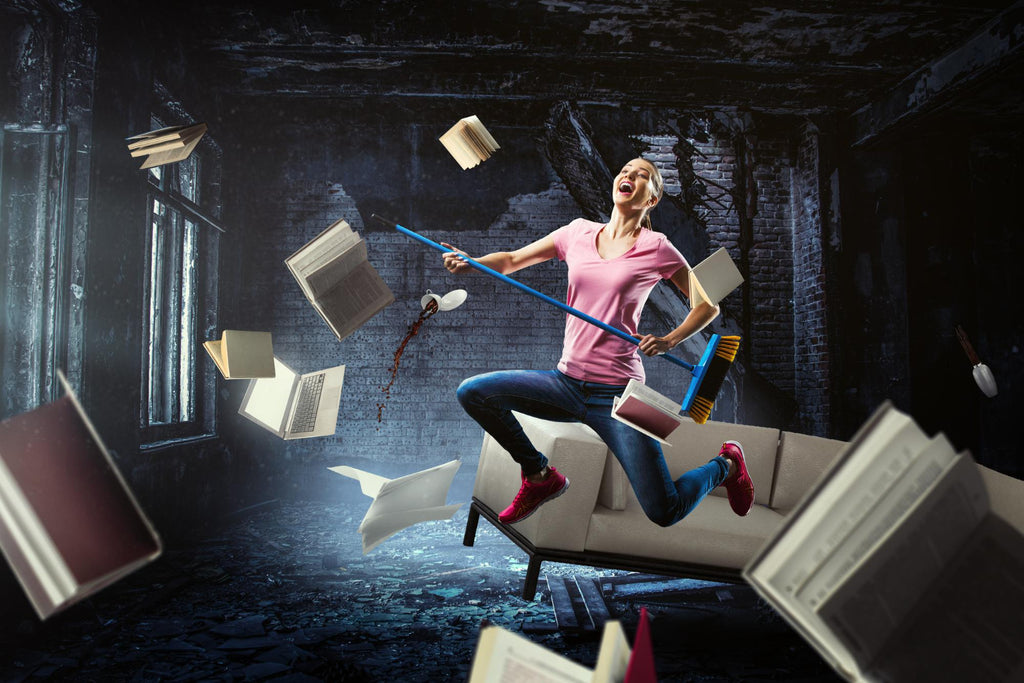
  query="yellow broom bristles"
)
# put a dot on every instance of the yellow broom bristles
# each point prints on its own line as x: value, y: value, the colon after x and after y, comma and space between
x: 728, y: 347
x: 700, y: 411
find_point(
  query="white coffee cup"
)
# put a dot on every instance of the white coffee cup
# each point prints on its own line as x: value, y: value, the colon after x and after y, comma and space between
x: 449, y: 301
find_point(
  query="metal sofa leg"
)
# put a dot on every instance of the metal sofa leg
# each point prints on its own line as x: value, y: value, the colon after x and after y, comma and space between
x: 474, y: 516
x: 532, y: 574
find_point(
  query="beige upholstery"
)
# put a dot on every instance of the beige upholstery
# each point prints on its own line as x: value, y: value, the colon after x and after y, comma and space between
x: 577, y: 452
x: 711, y: 534
x: 600, y: 511
x: 692, y: 445
x: 802, y: 460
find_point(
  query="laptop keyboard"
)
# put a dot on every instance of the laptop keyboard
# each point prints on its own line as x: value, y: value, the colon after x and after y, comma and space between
x: 304, y: 418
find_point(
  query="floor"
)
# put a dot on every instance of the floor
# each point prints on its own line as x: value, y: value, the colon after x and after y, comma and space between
x: 282, y: 592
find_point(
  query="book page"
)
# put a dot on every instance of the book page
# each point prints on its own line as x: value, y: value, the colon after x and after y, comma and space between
x: 502, y: 656
x: 336, y: 268
x: 399, y: 503
x: 896, y: 496
x: 969, y: 626
x: 786, y: 559
x: 354, y: 300
x: 613, y: 655
x: 215, y: 351
x: 864, y: 472
x: 880, y: 591
x: 335, y: 239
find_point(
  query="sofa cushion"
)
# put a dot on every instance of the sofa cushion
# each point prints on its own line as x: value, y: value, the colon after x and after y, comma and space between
x: 802, y: 460
x: 711, y: 534
x: 692, y: 445
x: 577, y: 452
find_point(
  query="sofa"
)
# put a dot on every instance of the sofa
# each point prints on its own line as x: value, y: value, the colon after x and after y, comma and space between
x: 598, y: 521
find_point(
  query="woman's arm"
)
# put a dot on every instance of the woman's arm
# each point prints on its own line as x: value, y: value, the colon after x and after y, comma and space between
x: 504, y: 262
x: 695, y: 321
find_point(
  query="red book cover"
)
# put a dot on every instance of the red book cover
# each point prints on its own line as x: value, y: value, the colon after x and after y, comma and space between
x: 641, y: 661
x: 73, y: 489
x: 643, y: 415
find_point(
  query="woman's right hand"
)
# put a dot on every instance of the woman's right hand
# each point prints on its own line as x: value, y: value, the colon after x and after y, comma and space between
x: 454, y: 261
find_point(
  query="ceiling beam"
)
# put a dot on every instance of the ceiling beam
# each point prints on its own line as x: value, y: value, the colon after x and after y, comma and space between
x: 989, y: 51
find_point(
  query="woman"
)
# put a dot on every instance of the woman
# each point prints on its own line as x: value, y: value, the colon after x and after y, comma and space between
x: 612, y: 270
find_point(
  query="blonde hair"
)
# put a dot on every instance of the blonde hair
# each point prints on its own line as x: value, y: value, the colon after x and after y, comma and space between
x: 657, y: 185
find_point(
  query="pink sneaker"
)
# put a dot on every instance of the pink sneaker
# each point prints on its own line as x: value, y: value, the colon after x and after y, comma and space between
x: 740, y: 487
x: 531, y: 496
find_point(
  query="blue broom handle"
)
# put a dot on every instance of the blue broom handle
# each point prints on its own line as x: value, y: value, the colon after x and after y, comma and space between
x: 543, y: 297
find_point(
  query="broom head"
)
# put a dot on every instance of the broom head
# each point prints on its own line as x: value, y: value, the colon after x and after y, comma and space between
x: 709, y: 375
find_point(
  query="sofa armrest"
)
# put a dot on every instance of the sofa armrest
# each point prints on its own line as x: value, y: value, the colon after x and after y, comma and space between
x: 577, y: 452
x: 802, y: 460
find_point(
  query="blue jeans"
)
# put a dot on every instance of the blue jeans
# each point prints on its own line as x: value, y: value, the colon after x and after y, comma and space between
x: 551, y: 395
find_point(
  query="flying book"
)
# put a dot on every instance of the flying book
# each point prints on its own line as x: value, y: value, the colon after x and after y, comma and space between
x: 295, y: 406
x: 402, y: 502
x: 502, y: 656
x: 469, y: 142
x: 713, y: 279
x: 69, y: 525
x: 338, y: 280
x: 166, y: 145
x: 647, y: 410
x: 242, y: 354
x: 896, y: 567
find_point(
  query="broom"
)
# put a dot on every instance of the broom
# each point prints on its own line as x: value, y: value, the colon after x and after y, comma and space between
x: 708, y: 374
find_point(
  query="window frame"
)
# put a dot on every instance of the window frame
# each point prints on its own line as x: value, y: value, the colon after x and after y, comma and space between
x: 162, y: 188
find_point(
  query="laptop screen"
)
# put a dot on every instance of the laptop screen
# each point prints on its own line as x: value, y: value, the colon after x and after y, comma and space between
x: 267, y: 401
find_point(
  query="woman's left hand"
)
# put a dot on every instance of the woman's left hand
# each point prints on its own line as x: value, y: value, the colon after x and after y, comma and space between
x: 651, y: 345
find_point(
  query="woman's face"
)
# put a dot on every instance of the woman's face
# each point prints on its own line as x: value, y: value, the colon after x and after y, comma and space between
x: 632, y: 187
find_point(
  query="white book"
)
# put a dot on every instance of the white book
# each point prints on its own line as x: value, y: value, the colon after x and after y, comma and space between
x: 159, y: 151
x: 69, y: 524
x: 713, y: 279
x: 242, y: 354
x: 402, y: 502
x: 647, y: 411
x: 895, y: 567
x: 469, y: 142
x: 502, y: 656
x: 337, y: 278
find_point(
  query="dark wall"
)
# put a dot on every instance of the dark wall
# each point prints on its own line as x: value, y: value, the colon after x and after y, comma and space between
x: 928, y: 244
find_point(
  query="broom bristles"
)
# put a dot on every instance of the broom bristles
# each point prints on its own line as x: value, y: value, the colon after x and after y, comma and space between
x: 711, y: 384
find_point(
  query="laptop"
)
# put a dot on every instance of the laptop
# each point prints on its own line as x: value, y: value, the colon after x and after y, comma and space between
x: 295, y: 406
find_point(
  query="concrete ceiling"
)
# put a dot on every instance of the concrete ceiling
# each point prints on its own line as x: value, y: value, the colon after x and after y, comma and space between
x: 803, y: 57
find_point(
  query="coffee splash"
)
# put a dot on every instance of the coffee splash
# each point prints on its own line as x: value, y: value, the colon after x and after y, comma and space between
x: 428, y: 310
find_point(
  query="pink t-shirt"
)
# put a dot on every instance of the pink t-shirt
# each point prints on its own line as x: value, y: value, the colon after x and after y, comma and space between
x: 613, y: 291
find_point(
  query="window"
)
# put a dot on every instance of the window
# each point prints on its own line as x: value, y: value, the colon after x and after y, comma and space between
x: 180, y: 302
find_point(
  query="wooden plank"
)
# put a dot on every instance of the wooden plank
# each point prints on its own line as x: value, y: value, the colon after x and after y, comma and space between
x: 561, y: 601
x: 593, y: 601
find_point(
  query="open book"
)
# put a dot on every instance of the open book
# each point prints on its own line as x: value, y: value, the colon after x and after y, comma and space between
x: 69, y: 525
x: 648, y: 411
x: 894, y: 566
x: 713, y: 279
x: 242, y: 354
x: 502, y: 656
x: 166, y: 145
x: 333, y: 271
x: 469, y: 142
x: 402, y: 502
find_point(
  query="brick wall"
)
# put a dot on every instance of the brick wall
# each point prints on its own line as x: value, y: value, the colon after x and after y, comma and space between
x: 771, y: 261
x: 809, y: 322
x: 498, y: 327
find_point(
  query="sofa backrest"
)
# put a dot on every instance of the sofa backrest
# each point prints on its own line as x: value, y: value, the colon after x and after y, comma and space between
x: 692, y: 445
x: 802, y: 460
